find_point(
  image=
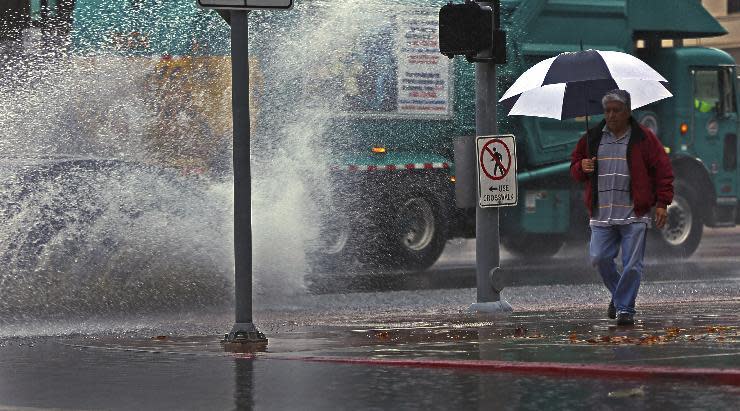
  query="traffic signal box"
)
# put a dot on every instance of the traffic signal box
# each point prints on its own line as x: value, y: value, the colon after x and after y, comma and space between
x: 472, y: 29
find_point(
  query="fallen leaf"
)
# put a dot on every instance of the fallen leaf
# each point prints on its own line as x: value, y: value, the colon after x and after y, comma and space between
x: 672, y: 332
x: 651, y: 339
x: 632, y: 392
x: 383, y: 335
x: 717, y: 329
x: 160, y: 337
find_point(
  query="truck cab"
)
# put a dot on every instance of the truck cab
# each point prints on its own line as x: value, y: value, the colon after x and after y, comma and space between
x: 698, y: 125
x: 699, y: 129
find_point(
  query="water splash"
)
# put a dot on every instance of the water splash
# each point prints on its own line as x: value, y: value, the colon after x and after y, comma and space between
x: 107, y: 236
x: 92, y: 141
x: 92, y: 224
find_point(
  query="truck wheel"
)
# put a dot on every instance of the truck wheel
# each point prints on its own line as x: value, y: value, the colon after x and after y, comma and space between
x: 331, y: 252
x: 533, y: 245
x: 417, y: 234
x: 682, y: 233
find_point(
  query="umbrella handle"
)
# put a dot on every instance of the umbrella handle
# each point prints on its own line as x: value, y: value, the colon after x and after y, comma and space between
x: 585, y: 98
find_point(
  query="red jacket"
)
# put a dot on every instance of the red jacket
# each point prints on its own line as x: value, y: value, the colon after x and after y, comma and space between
x: 651, y: 175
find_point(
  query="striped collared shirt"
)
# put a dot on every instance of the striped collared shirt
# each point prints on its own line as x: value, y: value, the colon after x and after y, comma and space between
x: 615, y: 201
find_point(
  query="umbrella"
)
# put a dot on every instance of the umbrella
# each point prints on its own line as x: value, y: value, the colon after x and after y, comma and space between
x: 572, y: 84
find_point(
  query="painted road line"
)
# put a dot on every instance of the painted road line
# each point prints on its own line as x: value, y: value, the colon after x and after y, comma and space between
x: 683, y: 357
x: 717, y: 376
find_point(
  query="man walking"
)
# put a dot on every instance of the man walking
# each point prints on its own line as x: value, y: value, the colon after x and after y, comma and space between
x: 626, y: 172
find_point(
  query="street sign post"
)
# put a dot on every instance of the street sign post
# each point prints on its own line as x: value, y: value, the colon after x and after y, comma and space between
x: 246, y: 4
x: 459, y: 31
x: 497, y: 183
x: 244, y: 334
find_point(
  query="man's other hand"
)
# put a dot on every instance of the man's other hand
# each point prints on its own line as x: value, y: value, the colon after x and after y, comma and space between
x: 661, y: 215
x: 587, y: 165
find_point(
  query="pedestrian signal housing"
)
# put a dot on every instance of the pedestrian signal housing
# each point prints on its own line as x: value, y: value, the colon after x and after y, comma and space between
x: 472, y: 30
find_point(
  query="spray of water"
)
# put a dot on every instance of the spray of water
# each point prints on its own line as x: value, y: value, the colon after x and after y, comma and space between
x: 96, y: 216
x: 304, y: 101
x: 105, y: 236
x: 93, y: 220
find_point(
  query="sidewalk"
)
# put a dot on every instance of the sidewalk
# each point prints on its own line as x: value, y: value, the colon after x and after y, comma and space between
x: 701, y: 334
x: 697, y: 335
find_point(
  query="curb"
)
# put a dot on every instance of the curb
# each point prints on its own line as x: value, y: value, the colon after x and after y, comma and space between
x: 729, y: 376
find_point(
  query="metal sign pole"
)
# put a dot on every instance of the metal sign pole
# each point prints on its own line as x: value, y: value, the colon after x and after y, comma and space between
x: 236, y: 12
x: 244, y: 330
x: 486, y: 219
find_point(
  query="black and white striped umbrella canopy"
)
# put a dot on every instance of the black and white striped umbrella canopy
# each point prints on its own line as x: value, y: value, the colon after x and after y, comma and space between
x: 572, y: 84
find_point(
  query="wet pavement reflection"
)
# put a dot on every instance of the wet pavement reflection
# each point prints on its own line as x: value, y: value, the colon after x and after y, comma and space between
x: 168, y: 371
x: 687, y: 317
x: 716, y: 258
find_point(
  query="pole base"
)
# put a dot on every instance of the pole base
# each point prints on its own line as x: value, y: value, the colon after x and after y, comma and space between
x: 244, y: 337
x: 495, y: 307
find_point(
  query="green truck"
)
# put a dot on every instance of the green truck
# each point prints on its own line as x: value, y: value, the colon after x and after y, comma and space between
x: 408, y: 219
x: 390, y: 107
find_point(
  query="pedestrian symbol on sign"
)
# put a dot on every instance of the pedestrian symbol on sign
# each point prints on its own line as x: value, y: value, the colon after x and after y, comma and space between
x: 497, y: 158
x: 493, y: 163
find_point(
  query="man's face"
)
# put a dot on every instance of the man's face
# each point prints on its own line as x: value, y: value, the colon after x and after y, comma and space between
x: 616, y: 115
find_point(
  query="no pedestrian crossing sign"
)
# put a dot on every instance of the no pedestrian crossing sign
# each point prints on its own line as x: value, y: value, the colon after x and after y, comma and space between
x: 246, y: 4
x: 497, y: 185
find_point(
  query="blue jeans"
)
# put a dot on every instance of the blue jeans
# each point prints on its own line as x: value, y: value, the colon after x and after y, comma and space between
x: 604, y: 248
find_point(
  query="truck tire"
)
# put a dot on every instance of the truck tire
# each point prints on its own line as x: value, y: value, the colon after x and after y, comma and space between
x: 533, y: 245
x: 418, y: 236
x: 682, y: 233
x: 409, y: 235
x: 406, y: 230
x: 332, y: 252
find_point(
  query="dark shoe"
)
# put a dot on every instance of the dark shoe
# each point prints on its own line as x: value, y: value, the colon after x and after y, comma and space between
x: 625, y: 319
x: 612, y: 311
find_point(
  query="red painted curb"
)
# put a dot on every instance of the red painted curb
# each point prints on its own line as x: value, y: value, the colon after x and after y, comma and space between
x: 720, y: 376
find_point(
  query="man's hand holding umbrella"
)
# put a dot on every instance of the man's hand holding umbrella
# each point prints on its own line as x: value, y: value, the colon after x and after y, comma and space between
x: 588, y: 165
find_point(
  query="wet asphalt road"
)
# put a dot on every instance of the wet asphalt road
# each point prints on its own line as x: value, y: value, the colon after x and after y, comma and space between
x: 718, y: 257
x: 87, y: 379
x: 142, y: 369
x: 174, y: 360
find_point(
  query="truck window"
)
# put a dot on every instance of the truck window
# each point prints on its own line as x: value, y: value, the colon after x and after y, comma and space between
x: 706, y: 90
x: 728, y: 90
x: 40, y: 9
x: 394, y: 68
x: 729, y: 158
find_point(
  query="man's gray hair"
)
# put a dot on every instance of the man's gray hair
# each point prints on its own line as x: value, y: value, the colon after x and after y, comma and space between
x: 622, y: 96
